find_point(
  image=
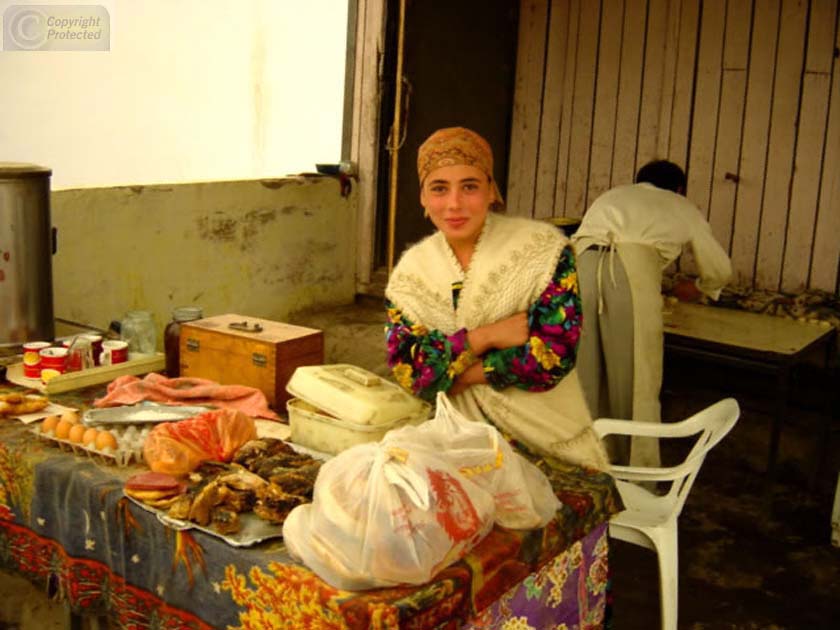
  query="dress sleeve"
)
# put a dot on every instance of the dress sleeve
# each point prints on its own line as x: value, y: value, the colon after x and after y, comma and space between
x: 424, y: 361
x: 549, y: 354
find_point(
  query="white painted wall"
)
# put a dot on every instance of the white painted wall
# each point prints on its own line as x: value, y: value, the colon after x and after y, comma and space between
x: 191, y: 90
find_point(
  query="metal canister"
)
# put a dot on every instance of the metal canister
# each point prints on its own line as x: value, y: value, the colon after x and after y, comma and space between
x: 27, y: 244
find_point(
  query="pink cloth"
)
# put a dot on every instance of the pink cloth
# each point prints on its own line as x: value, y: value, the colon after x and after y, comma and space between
x: 128, y: 390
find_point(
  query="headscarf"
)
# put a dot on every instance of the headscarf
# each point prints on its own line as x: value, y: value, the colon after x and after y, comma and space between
x: 456, y: 145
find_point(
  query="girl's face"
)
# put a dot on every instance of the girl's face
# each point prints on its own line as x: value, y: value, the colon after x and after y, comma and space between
x: 457, y: 199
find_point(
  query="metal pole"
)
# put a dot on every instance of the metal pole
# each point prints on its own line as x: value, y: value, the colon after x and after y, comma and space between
x: 395, y: 141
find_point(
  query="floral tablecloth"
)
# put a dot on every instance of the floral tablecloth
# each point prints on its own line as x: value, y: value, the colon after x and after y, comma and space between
x: 65, y: 524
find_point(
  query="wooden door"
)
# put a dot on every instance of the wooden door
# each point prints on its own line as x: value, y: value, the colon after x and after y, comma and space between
x: 459, y: 65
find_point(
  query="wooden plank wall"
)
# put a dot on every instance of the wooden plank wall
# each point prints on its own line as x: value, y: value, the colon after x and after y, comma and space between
x: 744, y: 93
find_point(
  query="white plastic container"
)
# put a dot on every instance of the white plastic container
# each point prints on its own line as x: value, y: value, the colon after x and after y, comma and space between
x: 338, y: 406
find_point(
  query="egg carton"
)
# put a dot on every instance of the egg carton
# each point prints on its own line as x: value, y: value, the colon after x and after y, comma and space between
x: 129, y: 438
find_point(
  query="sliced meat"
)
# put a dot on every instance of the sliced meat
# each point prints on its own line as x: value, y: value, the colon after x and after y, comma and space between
x: 273, y: 504
x: 265, y: 467
x: 241, y: 479
x: 261, y: 448
x: 151, y: 481
x: 180, y: 509
x: 203, y: 503
x: 225, y: 521
x: 293, y: 482
x: 237, y: 500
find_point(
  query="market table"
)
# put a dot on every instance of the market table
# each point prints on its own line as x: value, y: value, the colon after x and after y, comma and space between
x: 66, y: 525
x: 762, y: 343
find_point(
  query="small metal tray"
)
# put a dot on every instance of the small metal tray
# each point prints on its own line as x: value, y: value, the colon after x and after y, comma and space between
x: 144, y: 413
x: 253, y: 528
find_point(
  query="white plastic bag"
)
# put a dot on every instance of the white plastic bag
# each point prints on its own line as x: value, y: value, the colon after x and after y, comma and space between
x: 383, y: 515
x: 522, y: 494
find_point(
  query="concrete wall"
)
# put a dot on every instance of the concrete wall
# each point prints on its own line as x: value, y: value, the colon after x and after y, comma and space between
x: 262, y: 248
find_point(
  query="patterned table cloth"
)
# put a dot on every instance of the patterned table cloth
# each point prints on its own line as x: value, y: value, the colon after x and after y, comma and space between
x: 65, y: 524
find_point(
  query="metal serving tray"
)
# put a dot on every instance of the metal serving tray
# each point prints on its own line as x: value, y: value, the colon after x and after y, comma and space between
x: 143, y: 413
x: 254, y: 529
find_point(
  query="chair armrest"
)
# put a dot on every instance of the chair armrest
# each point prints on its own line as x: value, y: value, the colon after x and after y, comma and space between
x: 637, y: 473
x: 610, y: 426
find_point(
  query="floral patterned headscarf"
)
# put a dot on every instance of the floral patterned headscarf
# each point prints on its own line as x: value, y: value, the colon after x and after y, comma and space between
x: 456, y: 145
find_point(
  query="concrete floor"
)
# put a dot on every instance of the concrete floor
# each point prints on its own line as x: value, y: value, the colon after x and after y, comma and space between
x: 25, y: 607
x: 751, y: 557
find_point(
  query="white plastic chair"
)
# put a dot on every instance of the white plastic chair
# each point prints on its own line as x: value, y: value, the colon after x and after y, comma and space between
x: 650, y: 520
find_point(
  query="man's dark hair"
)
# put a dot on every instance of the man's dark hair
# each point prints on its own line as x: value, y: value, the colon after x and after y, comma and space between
x: 663, y: 174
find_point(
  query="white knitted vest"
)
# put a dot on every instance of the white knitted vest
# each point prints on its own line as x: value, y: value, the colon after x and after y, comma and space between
x: 513, y: 263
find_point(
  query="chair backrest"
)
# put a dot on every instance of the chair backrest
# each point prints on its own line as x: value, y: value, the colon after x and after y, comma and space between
x: 709, y: 425
x: 712, y: 424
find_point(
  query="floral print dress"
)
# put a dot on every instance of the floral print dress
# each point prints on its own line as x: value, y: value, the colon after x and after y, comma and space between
x: 428, y: 361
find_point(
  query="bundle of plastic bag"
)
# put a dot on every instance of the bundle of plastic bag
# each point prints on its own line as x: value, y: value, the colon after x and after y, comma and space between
x: 523, y: 496
x: 383, y: 515
x: 179, y: 447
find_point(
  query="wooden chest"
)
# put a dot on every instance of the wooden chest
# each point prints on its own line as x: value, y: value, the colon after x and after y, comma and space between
x: 235, y: 349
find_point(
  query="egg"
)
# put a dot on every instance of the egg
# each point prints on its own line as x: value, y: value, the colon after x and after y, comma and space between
x: 89, y: 437
x: 62, y: 429
x: 70, y: 416
x: 105, y: 440
x: 76, y: 432
x: 49, y: 423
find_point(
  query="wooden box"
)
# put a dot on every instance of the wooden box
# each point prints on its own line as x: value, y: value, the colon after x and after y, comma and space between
x: 239, y: 350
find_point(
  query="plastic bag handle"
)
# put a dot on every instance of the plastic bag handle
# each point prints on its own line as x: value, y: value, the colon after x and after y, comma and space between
x: 362, y: 378
x: 414, y: 485
x: 455, y: 419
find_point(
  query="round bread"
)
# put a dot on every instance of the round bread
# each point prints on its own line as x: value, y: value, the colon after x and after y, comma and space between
x: 152, y: 481
x: 151, y: 495
x: 165, y: 502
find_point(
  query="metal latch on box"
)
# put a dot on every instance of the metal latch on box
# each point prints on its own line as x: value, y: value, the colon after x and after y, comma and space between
x: 244, y: 327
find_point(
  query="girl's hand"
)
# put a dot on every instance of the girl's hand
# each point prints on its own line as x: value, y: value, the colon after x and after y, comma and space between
x: 473, y: 375
x: 505, y: 333
x: 511, y: 331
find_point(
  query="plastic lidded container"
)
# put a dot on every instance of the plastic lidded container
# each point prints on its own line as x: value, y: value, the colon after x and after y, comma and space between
x: 339, y: 406
x: 172, y: 337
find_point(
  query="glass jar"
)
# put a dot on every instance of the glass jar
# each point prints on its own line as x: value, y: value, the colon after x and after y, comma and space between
x: 80, y: 354
x: 138, y: 330
x: 172, y: 337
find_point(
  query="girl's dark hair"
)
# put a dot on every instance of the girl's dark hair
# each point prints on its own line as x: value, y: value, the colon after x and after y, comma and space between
x: 663, y: 174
